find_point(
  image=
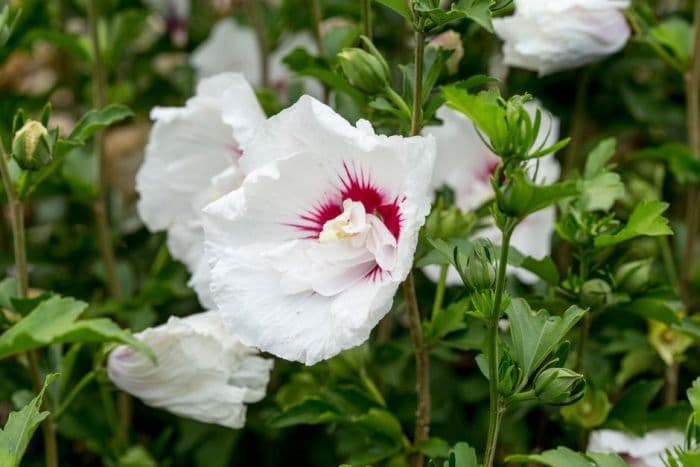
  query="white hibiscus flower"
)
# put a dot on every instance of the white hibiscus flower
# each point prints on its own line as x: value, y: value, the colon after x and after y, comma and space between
x: 202, y: 373
x: 638, y: 451
x: 306, y: 256
x: 465, y: 164
x: 192, y: 159
x: 553, y: 35
x: 233, y: 47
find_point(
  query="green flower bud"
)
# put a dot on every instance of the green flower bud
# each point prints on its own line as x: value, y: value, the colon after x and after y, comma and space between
x: 633, y: 276
x: 364, y: 71
x: 447, y: 223
x: 559, y: 386
x: 595, y: 292
x: 513, y: 197
x: 477, y: 269
x: 31, y: 146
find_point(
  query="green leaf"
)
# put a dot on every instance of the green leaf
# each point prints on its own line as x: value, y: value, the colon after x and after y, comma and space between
x: 399, y: 6
x: 476, y: 10
x: 96, y: 120
x: 536, y: 334
x: 8, y: 291
x: 136, y: 456
x: 310, y: 411
x: 679, y: 158
x: 56, y: 321
x: 462, y: 455
x: 646, y: 219
x: 599, y: 157
x: 434, y: 447
x: 20, y: 427
x: 631, y: 411
x: 486, y: 109
x: 447, y: 321
x: 675, y: 36
x: 606, y: 459
x: 558, y: 457
x: 600, y: 192
x: 694, y: 398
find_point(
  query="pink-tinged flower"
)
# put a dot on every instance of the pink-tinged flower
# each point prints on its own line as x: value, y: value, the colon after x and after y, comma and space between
x: 465, y: 164
x: 201, y: 373
x: 637, y: 451
x: 306, y: 256
x: 553, y: 35
x: 233, y: 47
x: 176, y: 14
x: 191, y: 159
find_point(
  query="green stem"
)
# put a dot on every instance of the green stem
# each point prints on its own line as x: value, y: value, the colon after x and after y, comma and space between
x: 440, y: 291
x: 669, y: 263
x: 417, y: 109
x: 65, y: 403
x: 496, y: 406
x: 578, y: 123
x: 367, y: 18
x: 256, y: 18
x: 48, y: 427
x: 583, y: 332
x: 317, y: 18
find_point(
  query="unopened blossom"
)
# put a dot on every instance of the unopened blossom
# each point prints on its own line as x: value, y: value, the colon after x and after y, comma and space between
x: 306, y: 256
x: 466, y: 165
x: 450, y: 40
x: 191, y: 159
x: 234, y: 47
x: 201, y: 372
x: 176, y: 14
x: 553, y: 35
x: 637, y: 451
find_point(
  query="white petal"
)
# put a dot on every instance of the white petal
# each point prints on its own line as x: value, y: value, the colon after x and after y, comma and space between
x: 230, y: 47
x: 201, y: 373
x: 549, y: 36
x: 282, y: 291
x: 191, y: 159
x: 645, y: 451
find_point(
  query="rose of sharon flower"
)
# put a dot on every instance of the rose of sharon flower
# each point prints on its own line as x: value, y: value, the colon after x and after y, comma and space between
x: 637, y: 451
x: 176, y: 14
x: 233, y: 47
x: 306, y: 256
x: 192, y: 159
x: 553, y: 35
x: 202, y: 373
x: 465, y: 164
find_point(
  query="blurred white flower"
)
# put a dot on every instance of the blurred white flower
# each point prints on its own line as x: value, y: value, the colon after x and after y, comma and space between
x: 191, y: 159
x: 176, y: 14
x: 553, y: 35
x: 465, y: 164
x: 202, y: 373
x: 306, y: 256
x: 638, y: 451
x: 233, y: 47
x: 450, y: 40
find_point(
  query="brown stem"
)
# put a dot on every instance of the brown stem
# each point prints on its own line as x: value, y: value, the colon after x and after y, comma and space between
x: 692, y: 90
x: 99, y: 206
x: 422, y: 429
x: 48, y: 426
x: 671, y: 384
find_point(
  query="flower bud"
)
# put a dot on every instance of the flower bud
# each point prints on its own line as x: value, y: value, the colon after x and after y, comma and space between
x: 595, y: 292
x: 31, y: 146
x: 364, y: 71
x: 514, y: 195
x: 477, y: 269
x: 559, y: 386
x: 633, y: 276
x: 449, y: 40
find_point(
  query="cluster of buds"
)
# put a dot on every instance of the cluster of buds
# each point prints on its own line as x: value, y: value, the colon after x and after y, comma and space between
x: 559, y: 386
